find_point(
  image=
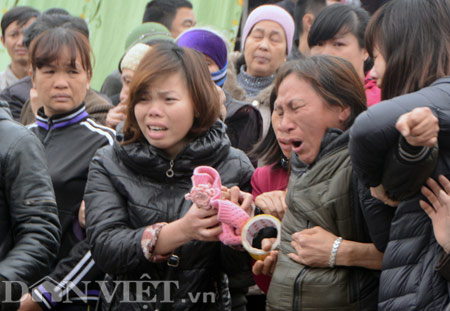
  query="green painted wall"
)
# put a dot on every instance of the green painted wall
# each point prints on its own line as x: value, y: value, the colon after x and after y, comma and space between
x: 110, y: 21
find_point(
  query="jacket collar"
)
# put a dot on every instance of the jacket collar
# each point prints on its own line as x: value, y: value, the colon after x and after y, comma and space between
x: 63, y: 119
x: 332, y: 139
x: 441, y: 80
x: 208, y: 149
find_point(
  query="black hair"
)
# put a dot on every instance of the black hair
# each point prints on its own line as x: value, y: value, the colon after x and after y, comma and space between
x: 372, y: 5
x: 339, y: 17
x: 413, y: 38
x: 49, y: 21
x: 56, y: 11
x: 303, y: 7
x: 21, y: 14
x: 46, y: 48
x: 268, y: 150
x: 163, y: 11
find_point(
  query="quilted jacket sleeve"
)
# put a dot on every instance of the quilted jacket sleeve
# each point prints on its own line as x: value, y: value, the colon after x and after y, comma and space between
x: 31, y: 202
x: 378, y: 151
x: 115, y: 246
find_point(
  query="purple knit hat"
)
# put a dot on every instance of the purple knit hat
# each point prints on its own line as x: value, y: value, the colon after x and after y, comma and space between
x: 274, y: 13
x: 207, y: 42
x: 211, y: 44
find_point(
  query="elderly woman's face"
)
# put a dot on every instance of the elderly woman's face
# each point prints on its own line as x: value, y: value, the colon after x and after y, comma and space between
x: 305, y: 116
x: 60, y: 86
x: 265, y: 49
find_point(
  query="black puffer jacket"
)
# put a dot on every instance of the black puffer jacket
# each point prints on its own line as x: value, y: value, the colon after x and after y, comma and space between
x: 128, y: 189
x: 408, y: 280
x: 29, y: 226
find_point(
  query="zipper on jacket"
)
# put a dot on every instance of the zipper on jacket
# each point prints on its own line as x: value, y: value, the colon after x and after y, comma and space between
x: 297, y: 285
x: 50, y: 129
x: 170, y: 172
x: 308, y: 224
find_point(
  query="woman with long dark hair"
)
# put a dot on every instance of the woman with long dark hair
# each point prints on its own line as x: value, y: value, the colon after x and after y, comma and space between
x: 338, y: 30
x: 409, y: 41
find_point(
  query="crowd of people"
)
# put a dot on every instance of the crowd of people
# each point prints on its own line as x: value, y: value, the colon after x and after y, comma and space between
x: 331, y: 118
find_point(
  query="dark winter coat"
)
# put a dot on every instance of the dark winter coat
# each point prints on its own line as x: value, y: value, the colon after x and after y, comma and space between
x: 29, y: 226
x: 70, y: 141
x: 324, y: 195
x: 129, y: 189
x: 244, y: 124
x: 408, y: 280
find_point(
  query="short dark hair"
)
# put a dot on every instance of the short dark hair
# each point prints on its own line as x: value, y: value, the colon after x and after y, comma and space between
x: 56, y: 11
x: 163, y: 11
x: 46, y: 48
x: 165, y: 59
x: 303, y: 7
x: 48, y: 21
x: 333, y: 78
x: 413, y: 38
x: 21, y: 14
x: 372, y: 5
x: 338, y: 17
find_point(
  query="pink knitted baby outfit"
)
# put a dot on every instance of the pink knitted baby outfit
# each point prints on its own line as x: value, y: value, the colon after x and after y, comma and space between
x: 205, y: 193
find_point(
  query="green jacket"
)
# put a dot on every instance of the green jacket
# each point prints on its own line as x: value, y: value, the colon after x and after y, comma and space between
x: 324, y: 195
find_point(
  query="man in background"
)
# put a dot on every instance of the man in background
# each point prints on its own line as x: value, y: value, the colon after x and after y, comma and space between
x: 176, y: 15
x: 17, y: 95
x: 12, y: 24
x: 304, y: 15
x: 288, y: 5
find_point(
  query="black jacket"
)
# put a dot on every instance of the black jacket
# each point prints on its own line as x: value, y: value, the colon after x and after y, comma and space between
x: 128, y: 190
x: 408, y: 280
x: 29, y: 226
x: 244, y: 124
x: 16, y: 95
x: 70, y: 141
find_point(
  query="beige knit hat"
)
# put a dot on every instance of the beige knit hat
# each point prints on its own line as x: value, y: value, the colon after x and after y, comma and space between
x: 133, y: 56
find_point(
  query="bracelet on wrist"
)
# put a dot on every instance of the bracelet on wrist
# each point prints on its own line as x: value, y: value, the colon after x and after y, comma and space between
x: 149, y: 239
x: 334, y: 250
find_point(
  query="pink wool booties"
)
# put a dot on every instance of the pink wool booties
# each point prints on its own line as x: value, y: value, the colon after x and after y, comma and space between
x: 205, y: 193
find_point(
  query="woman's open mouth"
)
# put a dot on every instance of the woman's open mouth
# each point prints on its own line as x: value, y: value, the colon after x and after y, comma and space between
x: 297, y: 145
